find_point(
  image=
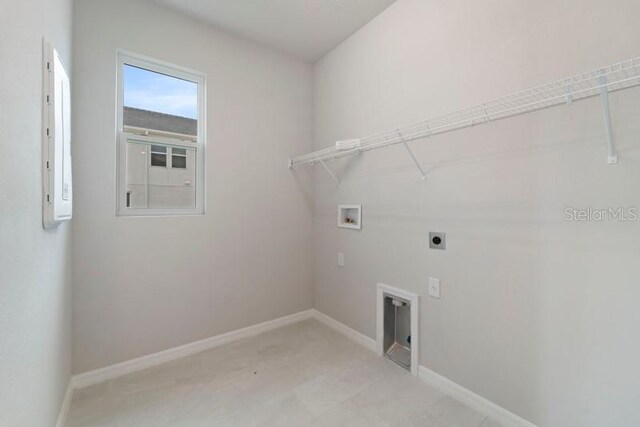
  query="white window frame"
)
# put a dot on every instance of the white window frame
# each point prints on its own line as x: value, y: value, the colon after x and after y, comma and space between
x: 128, y: 58
x: 165, y: 154
x: 171, y: 154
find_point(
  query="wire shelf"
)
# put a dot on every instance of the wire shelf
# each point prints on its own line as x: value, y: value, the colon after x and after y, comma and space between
x: 612, y: 78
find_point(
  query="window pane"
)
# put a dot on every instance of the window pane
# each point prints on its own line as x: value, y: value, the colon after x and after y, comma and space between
x: 158, y: 159
x: 161, y: 153
x: 179, y: 162
x: 159, y: 188
x: 157, y: 102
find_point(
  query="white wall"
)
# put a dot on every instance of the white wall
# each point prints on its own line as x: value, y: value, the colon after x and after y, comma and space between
x: 142, y: 285
x: 537, y: 314
x: 35, y: 290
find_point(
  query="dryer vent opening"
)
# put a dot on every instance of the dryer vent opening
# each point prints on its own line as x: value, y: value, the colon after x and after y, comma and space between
x: 397, y: 331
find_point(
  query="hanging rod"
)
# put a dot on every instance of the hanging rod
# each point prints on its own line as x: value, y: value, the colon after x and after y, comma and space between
x: 600, y: 82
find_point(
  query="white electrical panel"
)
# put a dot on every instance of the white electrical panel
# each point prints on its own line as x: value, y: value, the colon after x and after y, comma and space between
x: 56, y: 146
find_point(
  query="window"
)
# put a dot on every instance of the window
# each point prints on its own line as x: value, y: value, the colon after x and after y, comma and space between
x: 161, y: 149
x: 179, y: 158
x: 159, y: 155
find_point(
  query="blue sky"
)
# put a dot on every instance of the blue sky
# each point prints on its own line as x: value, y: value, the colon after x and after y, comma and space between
x: 157, y: 92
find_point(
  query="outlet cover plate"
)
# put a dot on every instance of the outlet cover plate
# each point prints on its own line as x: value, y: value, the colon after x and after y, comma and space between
x: 434, y: 287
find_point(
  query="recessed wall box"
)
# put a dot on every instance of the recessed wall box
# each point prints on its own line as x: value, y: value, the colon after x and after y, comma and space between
x: 397, y: 324
x: 350, y: 216
x: 57, y: 194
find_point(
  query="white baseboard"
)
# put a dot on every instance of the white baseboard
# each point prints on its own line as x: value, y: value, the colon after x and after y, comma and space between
x: 446, y: 386
x: 473, y: 400
x: 345, y: 330
x: 103, y: 374
x: 66, y: 403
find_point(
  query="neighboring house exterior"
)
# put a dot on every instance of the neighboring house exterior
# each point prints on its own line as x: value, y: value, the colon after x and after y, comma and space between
x: 136, y: 118
x: 160, y: 175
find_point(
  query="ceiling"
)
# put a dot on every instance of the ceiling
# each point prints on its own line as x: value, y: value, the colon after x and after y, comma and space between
x: 308, y: 29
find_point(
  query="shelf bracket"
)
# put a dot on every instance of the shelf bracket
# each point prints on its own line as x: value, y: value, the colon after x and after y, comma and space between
x: 568, y: 99
x: 329, y: 172
x: 423, y: 175
x: 604, y: 98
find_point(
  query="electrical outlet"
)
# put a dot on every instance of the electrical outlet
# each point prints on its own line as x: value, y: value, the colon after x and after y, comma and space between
x: 340, y: 259
x: 434, y: 287
x: 437, y: 241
